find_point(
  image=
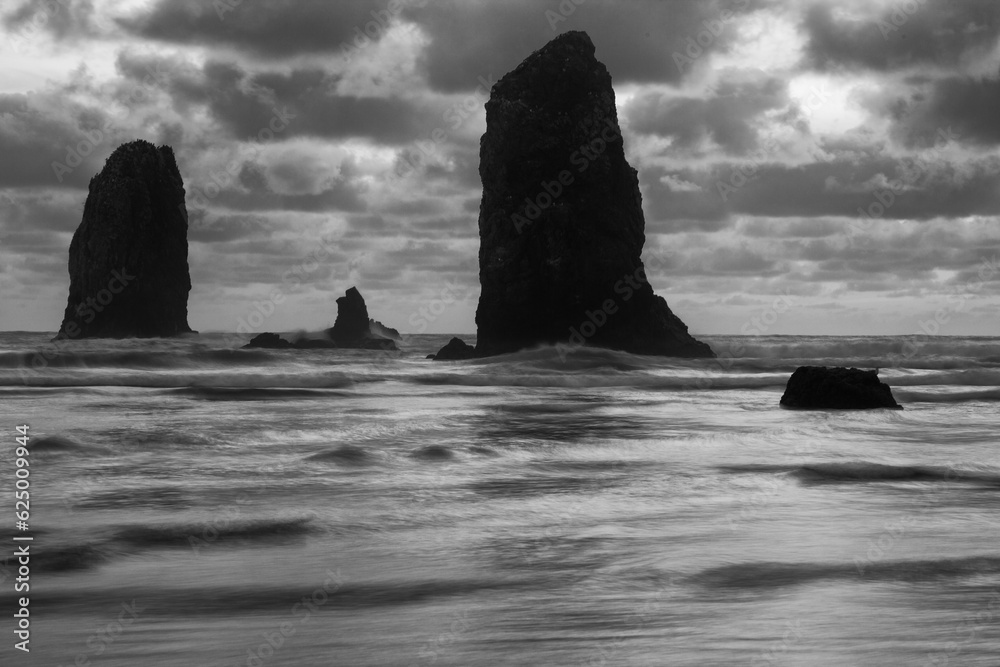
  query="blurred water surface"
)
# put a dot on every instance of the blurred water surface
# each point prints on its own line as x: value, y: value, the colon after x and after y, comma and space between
x: 199, y: 505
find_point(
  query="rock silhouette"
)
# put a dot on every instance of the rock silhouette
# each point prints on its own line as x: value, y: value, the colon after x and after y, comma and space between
x: 818, y: 387
x: 353, y: 326
x: 456, y: 350
x: 268, y: 340
x: 128, y: 259
x: 352, y: 319
x: 351, y: 330
x: 561, y: 225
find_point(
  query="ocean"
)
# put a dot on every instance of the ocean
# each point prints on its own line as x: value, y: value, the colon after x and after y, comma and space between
x: 197, y: 505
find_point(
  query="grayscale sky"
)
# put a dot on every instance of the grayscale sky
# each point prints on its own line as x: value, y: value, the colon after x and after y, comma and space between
x: 761, y: 130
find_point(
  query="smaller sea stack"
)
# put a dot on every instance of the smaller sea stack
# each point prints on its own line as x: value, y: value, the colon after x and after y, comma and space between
x: 353, y: 329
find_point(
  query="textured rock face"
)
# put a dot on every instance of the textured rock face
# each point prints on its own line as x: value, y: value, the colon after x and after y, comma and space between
x: 353, y: 328
x: 268, y: 340
x: 352, y: 319
x: 818, y: 387
x: 128, y: 258
x: 561, y: 225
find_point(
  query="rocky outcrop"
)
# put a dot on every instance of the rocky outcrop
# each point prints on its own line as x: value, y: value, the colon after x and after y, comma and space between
x: 269, y: 341
x: 273, y: 341
x: 818, y: 387
x: 352, y: 319
x: 352, y: 329
x: 561, y: 225
x: 128, y: 259
x: 379, y: 329
x: 455, y: 350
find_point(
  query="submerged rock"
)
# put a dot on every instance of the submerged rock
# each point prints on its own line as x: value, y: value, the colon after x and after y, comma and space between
x: 128, y: 263
x: 456, y: 350
x: 561, y: 225
x: 268, y: 340
x: 818, y: 387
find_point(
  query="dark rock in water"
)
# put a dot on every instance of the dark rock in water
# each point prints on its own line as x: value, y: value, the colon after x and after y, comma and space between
x: 128, y: 263
x: 818, y: 387
x: 352, y: 318
x: 275, y: 342
x: 456, y: 350
x: 268, y: 340
x: 379, y: 329
x: 561, y: 225
x: 352, y: 329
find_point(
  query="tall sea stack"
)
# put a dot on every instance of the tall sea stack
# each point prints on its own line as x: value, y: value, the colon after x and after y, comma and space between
x: 561, y: 226
x: 128, y: 259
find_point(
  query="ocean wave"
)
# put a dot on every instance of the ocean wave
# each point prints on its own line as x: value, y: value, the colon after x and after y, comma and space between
x: 62, y: 559
x: 961, y: 378
x: 169, y: 497
x: 329, y: 593
x: 433, y: 453
x: 252, y: 393
x: 537, y: 485
x: 54, y: 445
x: 221, y: 530
x: 316, y: 379
x: 865, y: 471
x: 137, y: 359
x: 775, y: 575
x: 943, y: 351
x: 348, y: 455
x: 500, y: 378
x: 946, y: 397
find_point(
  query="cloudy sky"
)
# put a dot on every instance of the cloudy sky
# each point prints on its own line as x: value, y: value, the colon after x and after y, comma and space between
x: 840, y: 155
